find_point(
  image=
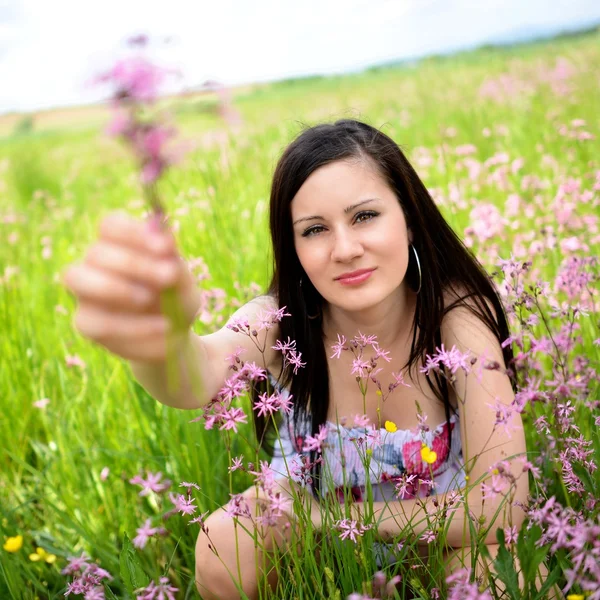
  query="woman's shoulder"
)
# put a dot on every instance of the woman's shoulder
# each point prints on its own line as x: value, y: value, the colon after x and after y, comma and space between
x: 264, y: 302
x: 257, y: 320
x: 465, y: 322
x: 459, y: 298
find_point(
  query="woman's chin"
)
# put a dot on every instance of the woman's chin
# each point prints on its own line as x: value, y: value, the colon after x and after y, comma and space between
x: 358, y: 302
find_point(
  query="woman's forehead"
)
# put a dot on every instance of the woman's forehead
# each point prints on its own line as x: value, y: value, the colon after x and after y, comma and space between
x: 338, y: 186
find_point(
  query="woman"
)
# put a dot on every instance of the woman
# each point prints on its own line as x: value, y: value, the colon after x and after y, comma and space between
x: 359, y: 247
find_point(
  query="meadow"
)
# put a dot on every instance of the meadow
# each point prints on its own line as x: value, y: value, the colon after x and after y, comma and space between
x: 506, y: 141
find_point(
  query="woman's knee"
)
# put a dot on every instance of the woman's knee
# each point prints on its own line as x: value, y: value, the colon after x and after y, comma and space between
x: 226, y: 550
x: 213, y: 578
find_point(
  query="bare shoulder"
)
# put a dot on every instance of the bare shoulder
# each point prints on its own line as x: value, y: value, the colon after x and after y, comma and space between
x: 457, y: 300
x: 463, y: 328
x: 253, y: 327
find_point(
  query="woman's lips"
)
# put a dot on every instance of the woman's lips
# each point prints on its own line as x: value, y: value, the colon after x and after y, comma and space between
x: 355, y: 279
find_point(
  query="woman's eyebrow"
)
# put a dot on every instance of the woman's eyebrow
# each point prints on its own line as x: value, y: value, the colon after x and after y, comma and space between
x: 346, y: 210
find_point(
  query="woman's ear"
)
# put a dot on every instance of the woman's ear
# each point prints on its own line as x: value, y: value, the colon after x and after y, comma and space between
x: 410, y: 235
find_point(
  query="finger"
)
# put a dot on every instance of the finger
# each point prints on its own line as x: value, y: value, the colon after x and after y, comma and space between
x: 102, y: 326
x: 129, y: 263
x: 112, y: 292
x: 120, y: 228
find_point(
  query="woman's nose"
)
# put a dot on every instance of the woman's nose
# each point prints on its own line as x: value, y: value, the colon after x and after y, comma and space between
x: 346, y: 247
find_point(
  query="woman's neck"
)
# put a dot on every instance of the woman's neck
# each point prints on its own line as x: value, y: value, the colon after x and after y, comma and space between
x: 391, y: 320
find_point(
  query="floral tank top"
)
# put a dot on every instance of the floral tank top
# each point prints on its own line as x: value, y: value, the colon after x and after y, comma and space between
x: 396, y: 467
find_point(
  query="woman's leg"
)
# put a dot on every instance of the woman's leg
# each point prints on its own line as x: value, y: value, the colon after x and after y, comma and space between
x: 215, y: 574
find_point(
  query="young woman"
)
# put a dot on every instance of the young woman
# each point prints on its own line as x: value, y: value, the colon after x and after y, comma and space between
x: 360, y: 248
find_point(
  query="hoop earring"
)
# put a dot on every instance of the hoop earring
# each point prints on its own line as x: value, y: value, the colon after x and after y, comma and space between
x: 418, y: 267
x: 311, y: 317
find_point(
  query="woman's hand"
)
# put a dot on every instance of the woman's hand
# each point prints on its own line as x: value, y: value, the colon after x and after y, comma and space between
x: 119, y: 284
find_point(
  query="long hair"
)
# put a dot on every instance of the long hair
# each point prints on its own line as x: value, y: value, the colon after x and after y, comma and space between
x: 445, y: 264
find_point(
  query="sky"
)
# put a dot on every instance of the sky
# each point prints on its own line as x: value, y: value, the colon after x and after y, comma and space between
x: 50, y: 50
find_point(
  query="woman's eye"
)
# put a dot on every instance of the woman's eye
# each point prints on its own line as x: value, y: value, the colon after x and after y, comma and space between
x: 312, y: 230
x: 365, y: 216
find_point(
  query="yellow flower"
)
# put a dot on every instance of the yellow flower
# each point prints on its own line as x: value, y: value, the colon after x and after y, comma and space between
x: 41, y: 554
x: 575, y: 597
x: 13, y: 544
x: 429, y: 456
x: 390, y: 426
x: 378, y: 393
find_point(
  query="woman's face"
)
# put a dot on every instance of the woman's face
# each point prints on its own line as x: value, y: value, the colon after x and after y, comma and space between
x: 346, y: 220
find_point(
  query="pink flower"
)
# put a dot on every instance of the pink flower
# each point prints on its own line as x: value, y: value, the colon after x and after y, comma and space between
x: 315, y: 442
x: 237, y: 506
x: 199, y: 520
x: 268, y: 405
x: 144, y: 533
x: 284, y: 347
x: 429, y: 536
x: 42, y: 403
x: 504, y: 416
x: 452, y: 360
x: 236, y: 464
x: 268, y: 318
x: 361, y: 421
x: 290, y: 355
x: 295, y: 359
x: 234, y: 387
x: 279, y: 503
x: 405, y: 488
x: 232, y: 417
x: 498, y: 484
x: 88, y: 578
x: 134, y: 78
x: 75, y: 361
x: 189, y: 486
x: 463, y: 589
x: 265, y: 477
x: 161, y: 591
x: 151, y: 484
x: 104, y: 473
x: 350, y: 529
x: 398, y: 380
x: 76, y: 563
x: 486, y: 222
x: 359, y: 366
x: 253, y: 372
x: 511, y: 534
x: 234, y: 357
x: 182, y: 504
x: 339, y: 346
x: 365, y: 340
x: 121, y: 125
x: 380, y: 353
x: 239, y: 325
